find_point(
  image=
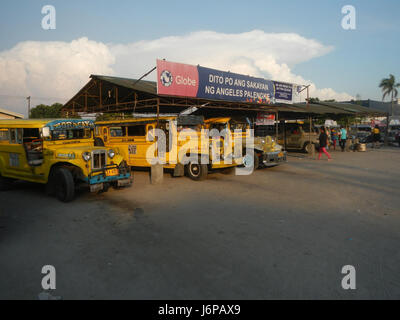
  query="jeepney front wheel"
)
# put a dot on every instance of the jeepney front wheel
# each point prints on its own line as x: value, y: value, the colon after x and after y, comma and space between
x: 64, y: 185
x: 308, y: 147
x: 249, y: 160
x: 196, y: 171
x: 5, y: 183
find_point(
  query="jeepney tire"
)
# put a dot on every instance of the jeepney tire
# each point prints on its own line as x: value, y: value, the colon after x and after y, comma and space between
x: 64, y: 185
x: 50, y: 189
x: 308, y: 147
x: 197, y: 171
x: 98, y: 142
x: 5, y: 183
x: 256, y: 161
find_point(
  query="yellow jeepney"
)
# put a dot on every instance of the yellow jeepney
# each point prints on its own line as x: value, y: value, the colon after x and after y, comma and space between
x: 267, y: 152
x: 133, y: 138
x: 59, y: 153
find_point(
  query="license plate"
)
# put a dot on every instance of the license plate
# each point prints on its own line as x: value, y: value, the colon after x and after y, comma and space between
x: 111, y: 172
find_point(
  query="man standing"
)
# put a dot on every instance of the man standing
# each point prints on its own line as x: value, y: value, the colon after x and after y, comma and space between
x: 343, y: 138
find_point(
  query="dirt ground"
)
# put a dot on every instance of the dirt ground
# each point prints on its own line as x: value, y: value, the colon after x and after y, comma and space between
x: 280, y: 233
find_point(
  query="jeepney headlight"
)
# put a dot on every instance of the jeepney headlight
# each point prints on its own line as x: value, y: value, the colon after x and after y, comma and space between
x: 111, y: 153
x: 86, y: 156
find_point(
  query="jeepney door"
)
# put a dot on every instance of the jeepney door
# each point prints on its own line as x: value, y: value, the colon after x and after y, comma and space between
x: 16, y: 162
x: 138, y: 144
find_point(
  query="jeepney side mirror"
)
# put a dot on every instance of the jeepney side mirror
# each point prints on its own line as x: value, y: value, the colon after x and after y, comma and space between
x: 46, y: 132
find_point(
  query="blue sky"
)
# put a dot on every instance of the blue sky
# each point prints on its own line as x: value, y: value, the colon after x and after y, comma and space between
x: 359, y: 60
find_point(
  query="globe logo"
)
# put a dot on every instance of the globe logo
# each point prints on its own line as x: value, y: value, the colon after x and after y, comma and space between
x: 166, y: 78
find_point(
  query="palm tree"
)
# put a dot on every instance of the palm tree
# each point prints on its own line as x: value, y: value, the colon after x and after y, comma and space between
x: 389, y: 87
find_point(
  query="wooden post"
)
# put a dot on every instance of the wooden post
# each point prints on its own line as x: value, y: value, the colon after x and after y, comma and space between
x: 86, y: 96
x: 158, y: 110
x: 312, y: 153
x: 100, y: 95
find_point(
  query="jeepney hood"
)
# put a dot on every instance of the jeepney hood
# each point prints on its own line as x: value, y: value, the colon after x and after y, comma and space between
x: 69, y: 148
x: 72, y: 146
x: 72, y: 152
x: 266, y: 144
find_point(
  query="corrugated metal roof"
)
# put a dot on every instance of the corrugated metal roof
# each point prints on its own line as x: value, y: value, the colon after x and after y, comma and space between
x: 320, y: 109
x: 142, y: 85
x: 334, y: 108
x: 355, y: 108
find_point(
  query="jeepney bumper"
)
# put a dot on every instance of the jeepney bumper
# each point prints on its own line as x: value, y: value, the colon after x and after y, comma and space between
x: 274, y: 158
x: 110, y: 175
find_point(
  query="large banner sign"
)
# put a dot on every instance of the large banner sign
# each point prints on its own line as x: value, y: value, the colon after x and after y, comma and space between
x: 177, y: 79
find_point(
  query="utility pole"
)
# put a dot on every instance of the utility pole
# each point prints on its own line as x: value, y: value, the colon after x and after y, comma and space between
x: 29, y: 106
x: 312, y: 150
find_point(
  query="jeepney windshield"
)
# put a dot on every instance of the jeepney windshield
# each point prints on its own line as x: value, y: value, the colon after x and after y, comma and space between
x: 239, y: 126
x: 71, y: 134
x: 219, y: 126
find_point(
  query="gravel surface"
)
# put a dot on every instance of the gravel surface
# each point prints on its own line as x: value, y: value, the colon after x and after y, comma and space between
x: 280, y: 233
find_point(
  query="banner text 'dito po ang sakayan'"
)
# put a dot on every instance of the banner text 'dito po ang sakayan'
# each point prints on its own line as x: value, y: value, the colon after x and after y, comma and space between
x: 178, y: 79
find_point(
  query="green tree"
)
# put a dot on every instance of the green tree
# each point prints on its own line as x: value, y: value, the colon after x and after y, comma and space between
x: 43, y: 111
x: 313, y: 100
x: 389, y: 88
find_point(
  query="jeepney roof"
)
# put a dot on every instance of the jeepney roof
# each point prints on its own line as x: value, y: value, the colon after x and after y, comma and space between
x: 52, y: 123
x: 133, y: 120
x: 217, y: 120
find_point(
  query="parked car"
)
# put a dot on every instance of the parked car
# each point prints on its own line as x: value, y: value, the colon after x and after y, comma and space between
x: 293, y: 135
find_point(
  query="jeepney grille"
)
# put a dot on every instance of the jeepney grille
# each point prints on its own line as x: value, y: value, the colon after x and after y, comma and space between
x: 99, y: 159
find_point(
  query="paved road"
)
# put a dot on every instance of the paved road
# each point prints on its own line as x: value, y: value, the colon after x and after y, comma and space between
x: 281, y: 233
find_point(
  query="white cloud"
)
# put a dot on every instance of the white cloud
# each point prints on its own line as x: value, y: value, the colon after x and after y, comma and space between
x: 59, y: 69
x: 50, y: 69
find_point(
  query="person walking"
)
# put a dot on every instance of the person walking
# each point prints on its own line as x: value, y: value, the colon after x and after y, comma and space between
x: 328, y: 134
x: 323, y: 142
x: 334, y: 136
x: 343, y: 138
x: 376, y: 136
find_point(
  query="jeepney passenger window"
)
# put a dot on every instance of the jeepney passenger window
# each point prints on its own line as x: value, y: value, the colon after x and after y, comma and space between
x: 15, y: 136
x: 137, y: 130
x: 4, y: 136
x: 117, y: 131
